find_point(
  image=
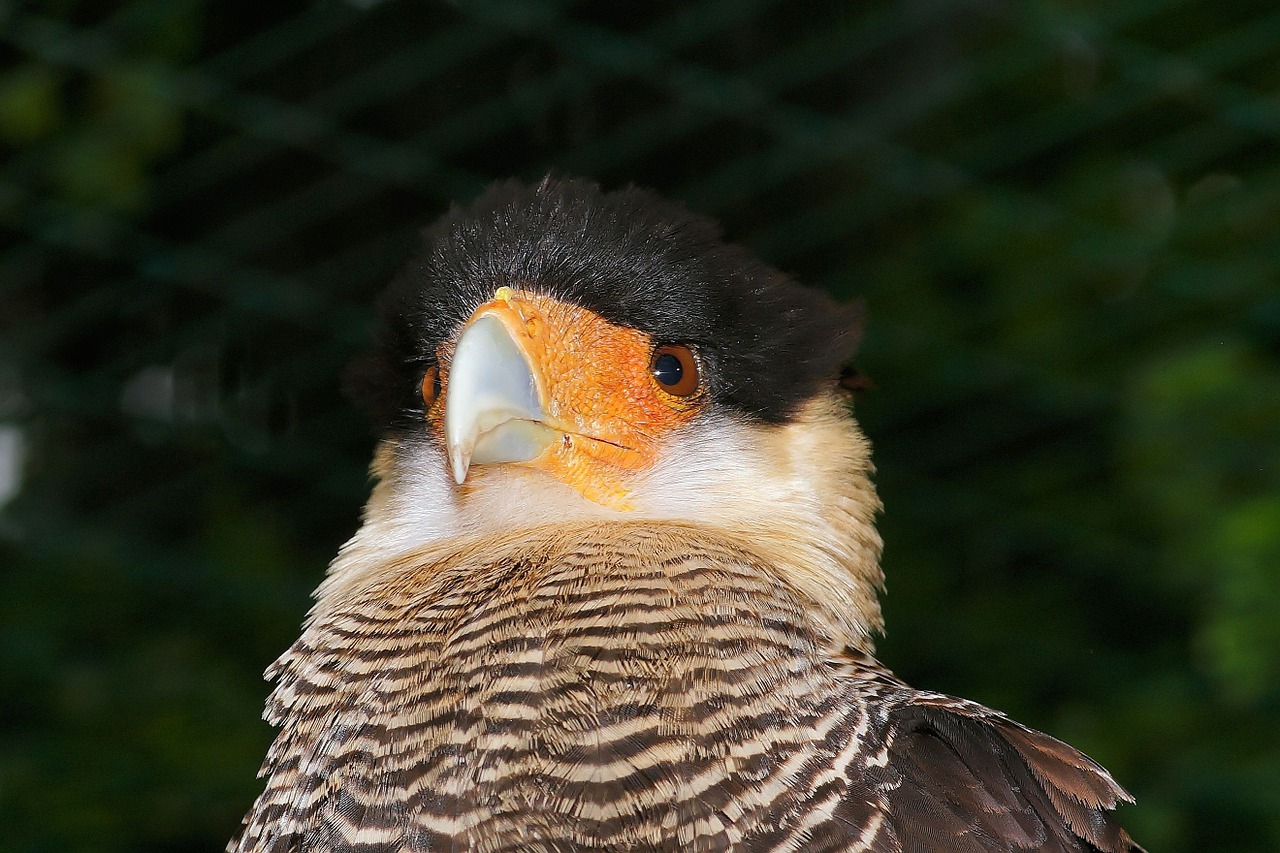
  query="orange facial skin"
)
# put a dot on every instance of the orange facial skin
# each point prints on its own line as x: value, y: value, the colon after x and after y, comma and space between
x: 596, y: 387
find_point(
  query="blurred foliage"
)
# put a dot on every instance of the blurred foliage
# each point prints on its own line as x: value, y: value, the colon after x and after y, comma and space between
x: 1062, y: 215
x: 87, y: 117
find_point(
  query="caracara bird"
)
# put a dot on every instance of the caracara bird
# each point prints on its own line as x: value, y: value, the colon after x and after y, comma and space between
x: 616, y: 585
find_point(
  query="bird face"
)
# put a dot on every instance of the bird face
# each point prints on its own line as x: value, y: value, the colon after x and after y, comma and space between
x: 563, y: 355
x: 538, y: 382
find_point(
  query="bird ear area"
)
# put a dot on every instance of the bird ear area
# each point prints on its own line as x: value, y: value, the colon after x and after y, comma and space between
x: 855, y: 381
x: 852, y: 380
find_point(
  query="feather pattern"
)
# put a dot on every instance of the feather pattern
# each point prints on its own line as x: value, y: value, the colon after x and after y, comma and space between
x: 635, y: 686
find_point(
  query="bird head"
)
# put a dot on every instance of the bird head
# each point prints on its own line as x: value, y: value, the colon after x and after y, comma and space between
x: 559, y: 354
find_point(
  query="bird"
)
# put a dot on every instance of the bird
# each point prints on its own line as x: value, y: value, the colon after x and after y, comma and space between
x: 616, y: 586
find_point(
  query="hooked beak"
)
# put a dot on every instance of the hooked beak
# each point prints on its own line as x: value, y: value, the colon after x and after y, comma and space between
x: 493, y: 407
x: 555, y: 388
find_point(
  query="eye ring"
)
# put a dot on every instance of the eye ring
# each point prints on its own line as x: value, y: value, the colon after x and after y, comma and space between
x: 674, y: 368
x: 430, y: 386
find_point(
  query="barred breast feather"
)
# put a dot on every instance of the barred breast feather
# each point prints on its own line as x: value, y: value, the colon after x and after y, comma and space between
x: 634, y: 686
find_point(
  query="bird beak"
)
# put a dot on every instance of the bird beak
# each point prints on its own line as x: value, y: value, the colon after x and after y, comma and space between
x: 493, y: 406
x: 552, y: 387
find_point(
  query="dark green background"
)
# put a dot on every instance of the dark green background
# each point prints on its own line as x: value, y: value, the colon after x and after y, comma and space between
x: 1063, y: 217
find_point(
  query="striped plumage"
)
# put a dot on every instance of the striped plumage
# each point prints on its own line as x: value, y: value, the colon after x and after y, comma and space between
x: 623, y: 686
x: 501, y: 665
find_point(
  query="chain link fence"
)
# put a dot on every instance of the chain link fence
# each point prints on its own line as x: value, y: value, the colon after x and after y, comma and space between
x: 1063, y: 217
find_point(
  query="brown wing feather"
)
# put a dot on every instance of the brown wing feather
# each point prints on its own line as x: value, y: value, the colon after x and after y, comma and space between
x: 962, y: 777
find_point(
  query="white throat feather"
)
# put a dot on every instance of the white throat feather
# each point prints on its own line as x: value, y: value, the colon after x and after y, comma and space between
x: 797, y: 494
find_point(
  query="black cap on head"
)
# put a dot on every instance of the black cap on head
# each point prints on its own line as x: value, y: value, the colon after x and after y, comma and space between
x: 766, y: 343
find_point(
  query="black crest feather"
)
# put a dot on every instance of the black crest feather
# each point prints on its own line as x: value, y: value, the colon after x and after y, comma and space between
x: 634, y: 258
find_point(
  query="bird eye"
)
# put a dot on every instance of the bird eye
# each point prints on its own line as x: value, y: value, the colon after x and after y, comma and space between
x: 675, y: 370
x: 430, y: 386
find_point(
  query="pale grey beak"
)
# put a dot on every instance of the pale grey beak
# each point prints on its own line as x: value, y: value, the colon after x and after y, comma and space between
x: 492, y: 411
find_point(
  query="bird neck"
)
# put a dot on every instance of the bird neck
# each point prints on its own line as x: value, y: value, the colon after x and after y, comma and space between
x: 798, y: 494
